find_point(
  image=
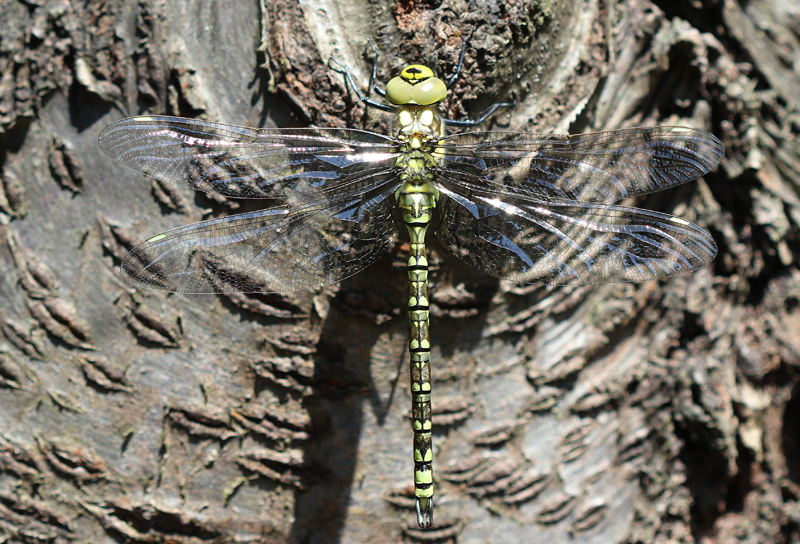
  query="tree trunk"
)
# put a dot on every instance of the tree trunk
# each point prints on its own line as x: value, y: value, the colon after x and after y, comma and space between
x: 663, y: 411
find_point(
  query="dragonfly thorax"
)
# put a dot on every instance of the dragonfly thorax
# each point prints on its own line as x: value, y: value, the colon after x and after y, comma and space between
x: 418, y: 130
x: 417, y: 127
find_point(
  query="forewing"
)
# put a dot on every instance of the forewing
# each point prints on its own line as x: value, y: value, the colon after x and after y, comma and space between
x: 280, y: 249
x: 245, y: 162
x: 570, y: 243
x: 599, y: 167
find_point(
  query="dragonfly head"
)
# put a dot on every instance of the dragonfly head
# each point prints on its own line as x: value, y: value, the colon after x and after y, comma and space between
x: 417, y: 85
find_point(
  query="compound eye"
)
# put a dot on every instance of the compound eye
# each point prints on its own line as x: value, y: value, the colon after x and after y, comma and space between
x: 399, y: 91
x: 429, y: 92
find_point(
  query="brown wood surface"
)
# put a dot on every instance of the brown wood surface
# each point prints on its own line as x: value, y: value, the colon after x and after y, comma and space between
x: 661, y: 412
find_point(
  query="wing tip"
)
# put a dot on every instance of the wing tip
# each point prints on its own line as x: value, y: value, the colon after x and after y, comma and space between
x: 714, y: 150
x: 135, y: 271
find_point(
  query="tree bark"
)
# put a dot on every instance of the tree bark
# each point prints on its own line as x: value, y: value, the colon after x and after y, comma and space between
x: 663, y: 411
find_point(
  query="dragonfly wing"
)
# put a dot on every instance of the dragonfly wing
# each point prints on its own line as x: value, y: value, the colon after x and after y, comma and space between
x: 279, y: 249
x: 243, y: 162
x: 570, y: 243
x: 599, y: 167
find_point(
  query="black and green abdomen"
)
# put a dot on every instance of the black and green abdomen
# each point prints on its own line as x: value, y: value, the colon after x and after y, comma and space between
x: 416, y: 208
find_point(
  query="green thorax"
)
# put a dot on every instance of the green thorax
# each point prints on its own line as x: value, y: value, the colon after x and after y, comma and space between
x: 418, y: 129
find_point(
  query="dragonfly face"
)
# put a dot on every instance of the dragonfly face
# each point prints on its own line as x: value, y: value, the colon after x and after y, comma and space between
x: 531, y: 208
x: 416, y: 85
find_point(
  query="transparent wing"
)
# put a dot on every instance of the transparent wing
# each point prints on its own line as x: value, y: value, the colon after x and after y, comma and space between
x: 570, y: 242
x: 600, y: 167
x: 245, y: 162
x: 280, y: 249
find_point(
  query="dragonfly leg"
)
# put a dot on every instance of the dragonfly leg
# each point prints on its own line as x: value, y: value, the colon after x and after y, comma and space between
x: 454, y: 77
x: 485, y: 115
x: 490, y: 110
x: 341, y: 68
x: 373, y: 79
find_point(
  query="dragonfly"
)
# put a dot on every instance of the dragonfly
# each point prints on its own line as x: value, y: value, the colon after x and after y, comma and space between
x: 529, y: 208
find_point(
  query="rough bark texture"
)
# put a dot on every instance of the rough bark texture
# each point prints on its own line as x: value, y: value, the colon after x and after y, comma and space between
x: 657, y: 412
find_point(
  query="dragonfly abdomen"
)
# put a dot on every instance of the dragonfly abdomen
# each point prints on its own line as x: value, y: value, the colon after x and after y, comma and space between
x: 416, y: 201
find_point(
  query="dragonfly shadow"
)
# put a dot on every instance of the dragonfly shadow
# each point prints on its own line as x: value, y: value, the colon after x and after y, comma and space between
x: 86, y: 108
x: 274, y: 108
x: 342, y: 382
x: 460, y: 296
x: 362, y: 364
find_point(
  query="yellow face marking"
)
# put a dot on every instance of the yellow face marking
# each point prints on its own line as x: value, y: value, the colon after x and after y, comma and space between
x: 416, y: 72
x: 426, y: 118
x: 405, y: 118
